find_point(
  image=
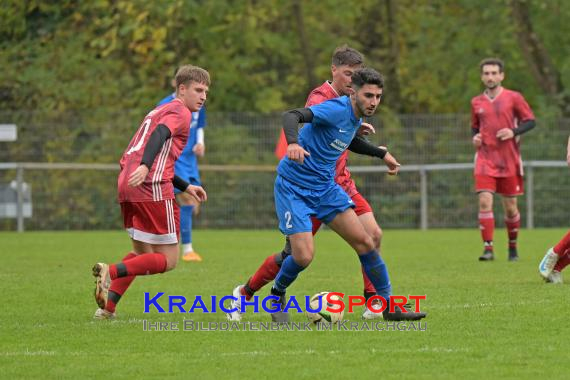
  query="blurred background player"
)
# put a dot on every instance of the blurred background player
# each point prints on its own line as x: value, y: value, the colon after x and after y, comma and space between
x: 345, y: 61
x: 186, y: 167
x: 498, y: 117
x: 558, y: 257
x: 146, y: 194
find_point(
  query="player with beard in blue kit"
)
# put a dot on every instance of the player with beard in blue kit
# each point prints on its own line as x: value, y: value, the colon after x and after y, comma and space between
x: 305, y: 186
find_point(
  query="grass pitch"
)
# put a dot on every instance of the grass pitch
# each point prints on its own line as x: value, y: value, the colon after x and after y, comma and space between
x: 485, y: 320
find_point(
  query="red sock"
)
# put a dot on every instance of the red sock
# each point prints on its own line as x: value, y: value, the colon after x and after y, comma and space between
x: 119, y: 286
x: 563, y: 261
x: 563, y: 245
x: 264, y: 274
x: 368, y: 286
x: 142, y: 265
x: 513, y: 224
x: 487, y: 227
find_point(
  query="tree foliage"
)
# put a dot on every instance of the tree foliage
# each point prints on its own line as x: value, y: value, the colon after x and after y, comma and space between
x: 266, y: 55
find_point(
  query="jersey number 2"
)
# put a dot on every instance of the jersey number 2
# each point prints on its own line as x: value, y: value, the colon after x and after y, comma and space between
x: 288, y: 219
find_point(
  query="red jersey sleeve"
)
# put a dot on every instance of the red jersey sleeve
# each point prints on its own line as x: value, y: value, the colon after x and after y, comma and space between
x: 522, y: 109
x: 174, y: 121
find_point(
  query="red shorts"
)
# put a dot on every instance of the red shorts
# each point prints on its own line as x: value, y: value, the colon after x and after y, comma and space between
x: 361, y: 207
x: 508, y: 186
x: 153, y: 222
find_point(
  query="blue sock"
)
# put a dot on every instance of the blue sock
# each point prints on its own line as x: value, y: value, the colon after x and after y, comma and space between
x: 377, y: 273
x: 186, y: 224
x: 287, y: 274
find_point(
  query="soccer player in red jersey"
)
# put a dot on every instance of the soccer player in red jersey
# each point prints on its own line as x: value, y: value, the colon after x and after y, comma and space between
x: 498, y: 118
x: 146, y: 193
x: 558, y: 257
x: 345, y: 61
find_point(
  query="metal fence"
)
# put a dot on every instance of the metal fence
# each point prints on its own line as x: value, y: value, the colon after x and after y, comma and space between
x: 69, y: 162
x: 241, y: 196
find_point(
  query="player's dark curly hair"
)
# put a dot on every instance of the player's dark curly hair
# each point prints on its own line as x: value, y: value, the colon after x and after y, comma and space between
x: 344, y: 55
x: 492, y: 61
x: 367, y: 75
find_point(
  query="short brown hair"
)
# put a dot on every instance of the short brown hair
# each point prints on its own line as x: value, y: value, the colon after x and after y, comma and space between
x: 344, y: 55
x: 188, y: 73
x: 492, y: 61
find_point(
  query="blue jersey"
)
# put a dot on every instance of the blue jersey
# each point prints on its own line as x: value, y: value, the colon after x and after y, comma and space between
x: 330, y: 133
x: 186, y: 166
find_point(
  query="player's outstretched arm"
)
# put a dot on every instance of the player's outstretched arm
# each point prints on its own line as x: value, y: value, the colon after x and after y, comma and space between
x: 291, y: 120
x: 362, y: 146
x: 153, y: 146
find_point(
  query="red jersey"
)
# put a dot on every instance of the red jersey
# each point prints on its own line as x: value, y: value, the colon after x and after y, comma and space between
x: 496, y: 158
x: 157, y: 185
x: 342, y: 175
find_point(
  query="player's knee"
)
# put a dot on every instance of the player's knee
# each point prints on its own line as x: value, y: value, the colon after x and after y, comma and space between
x: 304, y: 259
x: 171, y: 262
x: 511, y: 212
x: 364, y: 244
x: 376, y: 236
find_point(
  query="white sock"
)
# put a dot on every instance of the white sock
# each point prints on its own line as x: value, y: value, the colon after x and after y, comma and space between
x: 187, y: 248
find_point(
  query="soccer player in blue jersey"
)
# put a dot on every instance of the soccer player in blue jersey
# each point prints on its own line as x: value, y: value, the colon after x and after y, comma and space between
x: 186, y: 167
x: 305, y: 186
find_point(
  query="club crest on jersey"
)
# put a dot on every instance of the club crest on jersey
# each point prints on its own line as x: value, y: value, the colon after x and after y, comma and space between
x: 480, y: 110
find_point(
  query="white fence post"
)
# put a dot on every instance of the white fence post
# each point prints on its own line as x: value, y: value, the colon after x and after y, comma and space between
x: 20, y: 197
x: 530, y: 195
x: 423, y: 199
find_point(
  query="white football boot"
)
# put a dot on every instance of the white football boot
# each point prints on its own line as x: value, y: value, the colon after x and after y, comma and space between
x: 103, y: 314
x: 368, y: 314
x: 235, y: 316
x: 547, y: 264
x: 102, y: 283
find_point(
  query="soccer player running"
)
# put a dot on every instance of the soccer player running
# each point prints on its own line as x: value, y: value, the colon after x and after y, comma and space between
x: 498, y: 118
x: 186, y: 167
x: 305, y: 185
x: 558, y: 257
x: 146, y: 195
x: 345, y: 61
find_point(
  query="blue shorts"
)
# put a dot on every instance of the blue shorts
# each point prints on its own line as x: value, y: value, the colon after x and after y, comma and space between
x: 192, y: 180
x: 295, y: 205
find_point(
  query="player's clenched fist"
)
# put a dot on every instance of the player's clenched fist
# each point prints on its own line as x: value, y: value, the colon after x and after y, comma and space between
x: 295, y: 152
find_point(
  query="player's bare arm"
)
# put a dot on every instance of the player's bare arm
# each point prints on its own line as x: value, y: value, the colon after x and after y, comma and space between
x: 291, y: 120
x: 153, y: 146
